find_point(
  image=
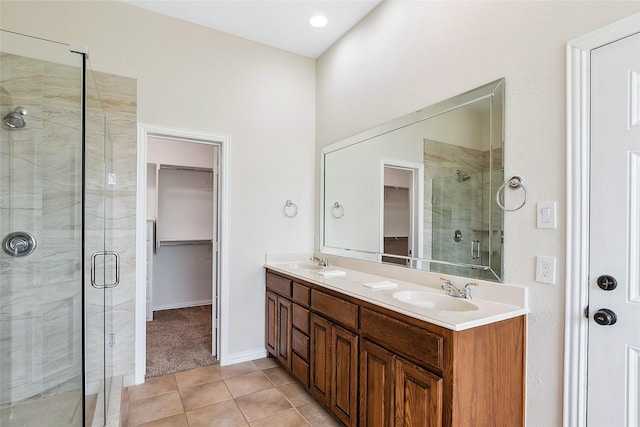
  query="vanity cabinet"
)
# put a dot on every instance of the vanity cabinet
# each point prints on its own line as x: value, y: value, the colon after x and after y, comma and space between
x: 334, y: 368
x: 396, y: 392
x: 377, y: 385
x: 279, y: 328
x: 320, y: 381
x: 279, y: 320
x: 418, y: 396
x: 300, y: 341
x: 373, y: 366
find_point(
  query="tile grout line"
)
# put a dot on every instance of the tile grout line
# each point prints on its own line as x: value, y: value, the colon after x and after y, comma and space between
x: 285, y: 397
x: 274, y: 382
x: 275, y: 386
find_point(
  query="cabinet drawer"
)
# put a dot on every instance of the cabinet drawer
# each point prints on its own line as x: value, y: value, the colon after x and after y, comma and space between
x: 342, y: 311
x: 404, y: 338
x: 301, y: 318
x: 301, y: 294
x: 300, y: 344
x: 279, y: 284
x: 300, y: 369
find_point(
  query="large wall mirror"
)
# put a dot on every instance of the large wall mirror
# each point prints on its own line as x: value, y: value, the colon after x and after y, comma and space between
x: 420, y: 191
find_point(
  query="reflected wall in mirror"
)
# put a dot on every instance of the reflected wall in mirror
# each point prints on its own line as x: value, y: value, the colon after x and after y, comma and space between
x: 420, y: 190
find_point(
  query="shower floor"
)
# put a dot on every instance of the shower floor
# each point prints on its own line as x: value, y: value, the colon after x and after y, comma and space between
x: 55, y: 411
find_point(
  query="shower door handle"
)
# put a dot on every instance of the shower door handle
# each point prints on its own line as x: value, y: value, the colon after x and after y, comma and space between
x: 104, y: 255
x: 475, y: 249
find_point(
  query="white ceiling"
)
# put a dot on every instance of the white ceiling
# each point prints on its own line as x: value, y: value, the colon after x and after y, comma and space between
x: 279, y: 23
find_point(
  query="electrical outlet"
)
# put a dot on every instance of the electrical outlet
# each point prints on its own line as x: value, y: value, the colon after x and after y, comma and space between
x: 546, y: 269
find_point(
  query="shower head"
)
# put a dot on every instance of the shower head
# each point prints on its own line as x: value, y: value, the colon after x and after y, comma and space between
x: 463, y: 175
x: 15, y: 119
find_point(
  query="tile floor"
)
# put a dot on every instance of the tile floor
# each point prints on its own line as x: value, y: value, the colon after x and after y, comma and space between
x: 257, y: 394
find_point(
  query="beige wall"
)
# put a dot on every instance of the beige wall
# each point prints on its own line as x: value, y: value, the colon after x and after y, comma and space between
x: 199, y: 79
x: 407, y: 55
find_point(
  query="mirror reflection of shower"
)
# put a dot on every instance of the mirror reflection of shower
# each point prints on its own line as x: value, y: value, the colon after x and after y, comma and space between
x: 15, y: 119
x: 464, y: 176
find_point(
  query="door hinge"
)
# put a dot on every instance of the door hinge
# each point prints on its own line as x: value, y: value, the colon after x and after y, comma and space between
x: 586, y: 312
x: 112, y: 339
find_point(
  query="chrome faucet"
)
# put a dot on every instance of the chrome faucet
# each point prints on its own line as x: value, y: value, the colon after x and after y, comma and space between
x: 454, y: 291
x: 323, y: 262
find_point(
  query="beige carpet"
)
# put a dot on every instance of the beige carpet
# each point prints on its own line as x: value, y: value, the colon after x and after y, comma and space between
x: 179, y: 340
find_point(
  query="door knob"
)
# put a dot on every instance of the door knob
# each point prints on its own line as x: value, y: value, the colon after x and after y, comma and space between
x: 607, y: 283
x: 605, y: 317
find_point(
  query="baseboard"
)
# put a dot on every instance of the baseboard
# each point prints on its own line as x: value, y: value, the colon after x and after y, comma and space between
x: 244, y: 356
x: 181, y: 305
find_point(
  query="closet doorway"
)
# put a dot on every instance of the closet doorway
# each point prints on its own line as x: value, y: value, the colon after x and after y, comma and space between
x: 402, y: 220
x: 182, y: 232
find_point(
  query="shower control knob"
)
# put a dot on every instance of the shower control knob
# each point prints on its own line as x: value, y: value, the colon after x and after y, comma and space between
x: 607, y: 283
x: 19, y: 243
x: 605, y: 317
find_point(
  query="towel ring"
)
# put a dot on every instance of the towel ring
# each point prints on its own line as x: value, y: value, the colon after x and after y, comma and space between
x: 337, y: 210
x: 290, y: 209
x: 514, y: 183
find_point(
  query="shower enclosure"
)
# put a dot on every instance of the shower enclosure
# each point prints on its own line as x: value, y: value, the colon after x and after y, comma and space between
x: 56, y: 271
x: 466, y: 224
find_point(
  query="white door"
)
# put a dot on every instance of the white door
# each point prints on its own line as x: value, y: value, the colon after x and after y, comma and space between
x: 614, y: 349
x: 215, y: 258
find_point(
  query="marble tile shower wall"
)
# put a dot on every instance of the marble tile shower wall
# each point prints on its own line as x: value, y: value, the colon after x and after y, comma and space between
x: 40, y: 174
x: 40, y: 298
x: 116, y: 108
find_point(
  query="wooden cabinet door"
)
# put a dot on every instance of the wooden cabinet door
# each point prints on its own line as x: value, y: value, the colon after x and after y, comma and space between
x: 418, y: 396
x: 320, y: 360
x: 344, y: 375
x: 377, y: 389
x: 271, y: 323
x: 283, y: 351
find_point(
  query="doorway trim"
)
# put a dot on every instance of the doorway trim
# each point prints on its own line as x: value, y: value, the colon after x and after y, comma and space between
x: 416, y: 201
x: 145, y: 131
x: 578, y: 83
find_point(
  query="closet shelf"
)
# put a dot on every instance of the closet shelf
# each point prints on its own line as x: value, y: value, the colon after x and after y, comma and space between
x: 186, y: 168
x: 185, y: 242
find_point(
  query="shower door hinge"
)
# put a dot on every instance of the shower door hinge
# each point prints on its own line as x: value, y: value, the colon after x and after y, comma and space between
x: 76, y: 48
x: 112, y: 339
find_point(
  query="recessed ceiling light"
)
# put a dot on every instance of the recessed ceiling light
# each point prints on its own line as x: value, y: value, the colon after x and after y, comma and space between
x: 318, y: 21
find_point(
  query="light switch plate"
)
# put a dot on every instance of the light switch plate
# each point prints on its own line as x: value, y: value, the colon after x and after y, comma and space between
x: 546, y: 214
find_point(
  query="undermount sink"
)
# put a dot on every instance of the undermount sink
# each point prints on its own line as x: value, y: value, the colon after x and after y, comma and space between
x: 434, y: 301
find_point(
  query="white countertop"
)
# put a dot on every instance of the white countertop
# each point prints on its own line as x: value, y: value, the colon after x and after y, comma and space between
x: 494, y: 301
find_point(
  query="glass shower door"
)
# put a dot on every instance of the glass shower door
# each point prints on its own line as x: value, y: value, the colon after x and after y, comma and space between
x: 103, y: 263
x: 467, y: 228
x: 56, y: 271
x: 458, y: 234
x: 41, y: 269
